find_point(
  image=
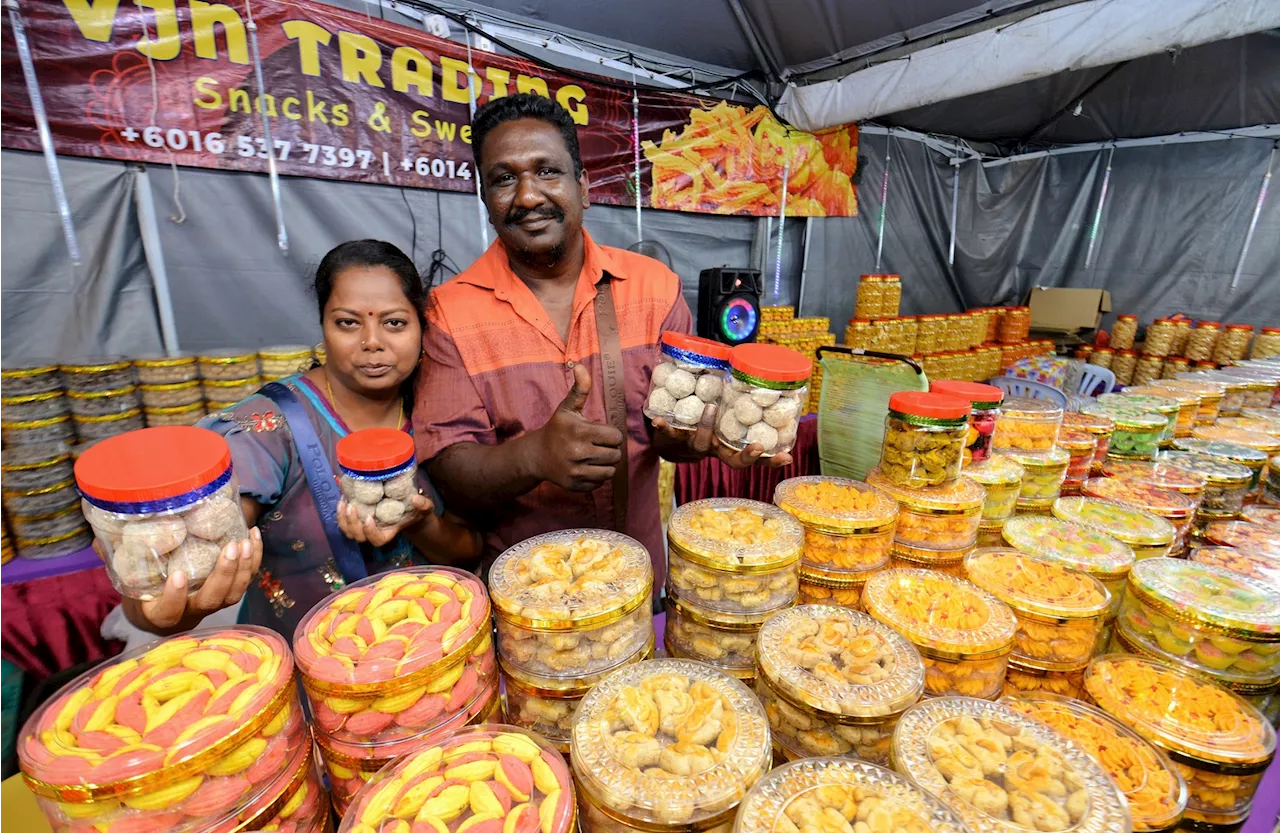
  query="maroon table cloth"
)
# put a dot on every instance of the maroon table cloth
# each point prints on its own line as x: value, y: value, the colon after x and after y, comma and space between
x: 53, y: 623
x: 711, y: 478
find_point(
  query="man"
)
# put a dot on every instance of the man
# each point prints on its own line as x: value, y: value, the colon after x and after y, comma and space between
x: 510, y: 405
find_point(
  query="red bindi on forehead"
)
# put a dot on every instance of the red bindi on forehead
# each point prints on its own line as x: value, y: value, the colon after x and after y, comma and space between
x: 371, y: 315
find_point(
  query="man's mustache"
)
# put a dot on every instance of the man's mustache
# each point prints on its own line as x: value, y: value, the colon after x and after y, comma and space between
x: 519, y: 215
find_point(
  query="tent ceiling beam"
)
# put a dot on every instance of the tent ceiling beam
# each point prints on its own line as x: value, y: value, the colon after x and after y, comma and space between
x: 1077, y: 36
x: 766, y: 61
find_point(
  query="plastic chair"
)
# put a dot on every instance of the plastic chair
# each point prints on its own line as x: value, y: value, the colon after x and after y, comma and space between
x: 1028, y: 389
x: 1093, y: 377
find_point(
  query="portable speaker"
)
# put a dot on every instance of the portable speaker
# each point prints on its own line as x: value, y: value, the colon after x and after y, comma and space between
x: 729, y: 305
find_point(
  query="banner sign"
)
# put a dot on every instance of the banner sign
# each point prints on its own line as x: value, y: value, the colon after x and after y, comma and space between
x: 355, y: 98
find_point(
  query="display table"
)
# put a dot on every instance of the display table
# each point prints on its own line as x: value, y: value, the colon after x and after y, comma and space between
x: 711, y: 478
x: 53, y: 612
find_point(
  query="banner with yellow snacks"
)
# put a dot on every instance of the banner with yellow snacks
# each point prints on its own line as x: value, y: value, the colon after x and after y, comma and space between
x: 354, y: 98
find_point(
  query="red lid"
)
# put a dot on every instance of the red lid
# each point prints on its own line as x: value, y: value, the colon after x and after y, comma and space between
x: 374, y: 449
x: 1127, y: 317
x: 1248, y: 327
x: 1208, y: 323
x: 1178, y: 360
x: 1104, y: 350
x: 1271, y: 330
x: 976, y: 393
x: 1126, y: 352
x: 152, y: 464
x: 771, y: 362
x: 933, y: 405
x: 695, y: 344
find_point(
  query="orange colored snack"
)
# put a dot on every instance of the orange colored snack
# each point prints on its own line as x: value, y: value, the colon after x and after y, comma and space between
x: 848, y: 526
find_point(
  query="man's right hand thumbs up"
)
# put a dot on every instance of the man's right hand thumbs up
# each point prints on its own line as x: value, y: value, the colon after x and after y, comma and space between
x: 573, y: 453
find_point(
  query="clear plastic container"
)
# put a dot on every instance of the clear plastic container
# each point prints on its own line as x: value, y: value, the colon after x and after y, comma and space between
x: 1188, y: 405
x: 1257, y: 440
x: 1251, y: 458
x: 103, y: 402
x: 1160, y: 475
x: 1208, y: 617
x: 1164, y: 406
x: 1024, y: 676
x: 1226, y: 482
x: 1242, y: 535
x: 1014, y: 326
x: 924, y: 437
x: 1267, y: 344
x: 1137, y: 431
x: 822, y: 587
x: 35, y: 549
x: 763, y: 398
x: 1209, y: 393
x: 43, y: 501
x: 485, y: 777
x: 1253, y: 565
x: 159, y: 500
x: 572, y: 603
x: 31, y: 377
x: 725, y: 640
x: 937, y: 517
x: 974, y: 755
x: 165, y: 737
x: 376, y: 470
x: 1075, y: 547
x: 53, y: 525
x: 667, y: 745
x: 284, y: 360
x: 1220, y: 743
x: 807, y: 795
x: 44, y: 466
x: 833, y: 682
x: 964, y: 633
x: 1027, y: 425
x: 848, y: 526
x: 1097, y: 426
x: 1001, y: 477
x: 1233, y: 396
x: 1124, y: 365
x: 984, y: 413
x: 1060, y: 612
x: 1259, y: 385
x: 1159, y: 340
x: 1147, y: 369
x: 733, y: 556
x: 1257, y: 426
x: 98, y: 374
x: 228, y: 365
x: 37, y: 432
x: 546, y: 704
x: 91, y: 429
x: 1178, y: 509
x: 689, y: 375
x: 297, y: 801
x: 1203, y: 340
x: 1042, y: 477
x: 1148, y: 535
x: 158, y: 369
x: 181, y: 415
x: 1268, y: 516
x: 950, y: 562
x: 171, y: 394
x: 1152, y: 785
x: 1124, y: 331
x: 230, y: 390
x: 33, y: 407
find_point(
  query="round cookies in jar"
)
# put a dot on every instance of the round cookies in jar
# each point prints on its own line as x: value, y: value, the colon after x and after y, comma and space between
x: 572, y: 603
x: 376, y: 471
x: 984, y: 412
x: 1152, y: 785
x: 1060, y: 612
x: 667, y: 745
x: 725, y: 640
x: 1148, y: 535
x: 1029, y: 425
x: 1176, y: 508
x: 978, y: 758
x: 763, y: 398
x: 1075, y: 547
x: 924, y: 437
x: 848, y: 526
x: 963, y: 633
x: 937, y: 517
x: 690, y: 374
x: 811, y: 794
x: 833, y: 682
x: 733, y: 556
x: 1221, y: 745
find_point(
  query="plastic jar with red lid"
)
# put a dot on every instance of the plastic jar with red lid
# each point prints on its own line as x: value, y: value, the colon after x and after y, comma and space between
x: 689, y: 376
x: 376, y: 469
x: 160, y: 500
x: 985, y: 411
x: 924, y: 438
x: 762, y: 402
x: 1124, y: 332
x: 1203, y: 340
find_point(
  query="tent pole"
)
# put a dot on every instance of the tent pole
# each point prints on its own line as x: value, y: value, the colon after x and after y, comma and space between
x: 955, y: 207
x: 804, y: 264
x: 884, y: 197
x: 1253, y: 222
x: 1097, y: 214
x: 149, y: 229
x: 471, y: 91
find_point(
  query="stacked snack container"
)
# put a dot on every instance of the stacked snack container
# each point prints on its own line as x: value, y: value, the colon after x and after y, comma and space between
x: 984, y: 413
x: 1097, y: 426
x: 1061, y: 615
x: 819, y: 586
x: 1188, y: 405
x: 1147, y: 369
x: 569, y: 607
x: 1042, y: 478
x: 1220, y: 744
x: 1164, y: 406
x: 847, y: 703
x: 1160, y: 338
x: 1225, y: 482
x: 1233, y: 344
x: 1082, y: 448
x: 103, y: 398
x: 284, y: 360
x: 848, y: 526
x: 1266, y: 444
x: 1202, y: 341
x: 1253, y: 565
x: 1176, y: 508
x: 228, y: 376
x: 1267, y: 344
x: 207, y: 734
x: 1027, y: 426
x: 964, y: 633
x: 692, y: 743
x: 1234, y: 393
x: 924, y: 439
x: 689, y: 376
x: 1001, y: 478
x: 391, y: 660
x: 1124, y: 331
x: 1253, y: 459
x: 40, y: 500
x: 724, y: 641
x: 1137, y: 431
x: 937, y: 525
x: 1242, y: 535
x: 1148, y: 535
x: 1075, y: 547
x: 1124, y: 365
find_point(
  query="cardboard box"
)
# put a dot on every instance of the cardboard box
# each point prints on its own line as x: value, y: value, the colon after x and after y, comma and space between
x: 1059, y: 310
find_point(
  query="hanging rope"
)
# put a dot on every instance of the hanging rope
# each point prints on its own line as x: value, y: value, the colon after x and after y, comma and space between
x: 1096, y: 226
x: 181, y: 216
x: 471, y: 92
x: 884, y: 197
x: 282, y: 235
x: 782, y: 221
x: 42, y: 127
x: 635, y: 143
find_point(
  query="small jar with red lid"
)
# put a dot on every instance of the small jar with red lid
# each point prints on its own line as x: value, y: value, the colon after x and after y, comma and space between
x: 1124, y: 332
x: 1267, y: 344
x: 161, y: 500
x: 689, y: 376
x: 1173, y: 366
x: 924, y: 438
x: 985, y: 401
x: 1202, y: 341
x: 763, y: 399
x: 1233, y: 344
x: 1123, y: 365
x: 1102, y: 357
x: 1159, y: 340
x: 376, y: 470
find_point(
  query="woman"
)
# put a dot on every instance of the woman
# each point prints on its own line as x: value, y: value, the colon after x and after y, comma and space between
x: 371, y: 300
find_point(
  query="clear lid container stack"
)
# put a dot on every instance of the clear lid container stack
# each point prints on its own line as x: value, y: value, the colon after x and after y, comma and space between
x: 1144, y: 496
x: 1253, y: 459
x: 833, y: 683
x: 1137, y: 433
x: 284, y: 360
x: 228, y: 376
x: 569, y: 607
x: 1027, y: 426
x: 937, y: 525
x: 41, y: 502
x: 1148, y: 535
x: 390, y: 661
x: 1082, y: 448
x: 169, y: 387
x: 103, y: 398
x: 1225, y: 481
